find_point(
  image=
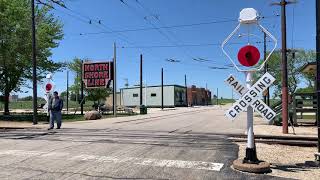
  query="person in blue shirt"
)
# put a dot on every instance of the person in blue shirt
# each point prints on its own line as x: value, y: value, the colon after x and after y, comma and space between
x: 55, y: 107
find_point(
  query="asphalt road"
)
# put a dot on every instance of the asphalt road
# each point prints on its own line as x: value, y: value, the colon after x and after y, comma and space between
x: 175, y: 144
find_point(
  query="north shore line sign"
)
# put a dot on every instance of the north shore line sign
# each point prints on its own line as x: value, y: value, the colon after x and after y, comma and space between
x: 97, y: 74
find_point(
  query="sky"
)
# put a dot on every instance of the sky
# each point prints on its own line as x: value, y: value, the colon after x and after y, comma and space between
x: 195, y: 29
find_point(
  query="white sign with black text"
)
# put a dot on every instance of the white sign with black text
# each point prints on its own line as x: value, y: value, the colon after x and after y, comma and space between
x: 236, y: 85
x: 250, y: 97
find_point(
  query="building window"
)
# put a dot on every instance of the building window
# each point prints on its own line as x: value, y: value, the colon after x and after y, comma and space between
x: 153, y: 94
x: 135, y: 95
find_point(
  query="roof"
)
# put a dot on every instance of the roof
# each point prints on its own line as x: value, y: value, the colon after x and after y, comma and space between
x: 310, y: 67
x: 156, y: 86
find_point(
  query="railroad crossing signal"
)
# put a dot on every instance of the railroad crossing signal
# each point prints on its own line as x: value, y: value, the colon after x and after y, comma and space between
x: 48, y: 88
x: 248, y: 57
x: 250, y: 97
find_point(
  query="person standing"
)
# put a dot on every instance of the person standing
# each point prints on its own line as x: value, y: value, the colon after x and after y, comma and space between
x: 55, y: 107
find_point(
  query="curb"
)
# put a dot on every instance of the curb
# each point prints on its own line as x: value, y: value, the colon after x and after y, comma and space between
x: 257, y: 136
x: 282, y: 142
x: 300, y: 138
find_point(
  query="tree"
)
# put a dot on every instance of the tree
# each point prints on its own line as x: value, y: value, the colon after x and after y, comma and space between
x: 75, y: 67
x: 295, y: 76
x: 97, y: 94
x: 92, y: 94
x: 63, y: 95
x: 305, y: 90
x: 29, y: 98
x: 16, y: 46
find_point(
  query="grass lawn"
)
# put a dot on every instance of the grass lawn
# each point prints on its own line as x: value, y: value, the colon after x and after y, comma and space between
x: 309, y: 116
x: 223, y: 101
x: 28, y: 104
x: 43, y: 117
x: 228, y: 101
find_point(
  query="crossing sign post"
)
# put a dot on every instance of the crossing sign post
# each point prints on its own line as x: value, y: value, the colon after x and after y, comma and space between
x: 249, y: 58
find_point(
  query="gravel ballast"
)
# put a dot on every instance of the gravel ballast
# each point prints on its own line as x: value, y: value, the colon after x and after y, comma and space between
x: 286, y: 161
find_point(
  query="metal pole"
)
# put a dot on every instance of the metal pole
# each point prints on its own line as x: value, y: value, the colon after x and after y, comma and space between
x: 266, y: 67
x: 264, y: 59
x: 81, y: 102
x: 145, y: 93
x: 67, y: 92
x: 284, y: 69
x: 232, y: 94
x: 141, y: 99
x: 120, y: 97
x: 34, y: 65
x: 217, y: 96
x: 268, y: 89
x: 162, y: 88
x: 114, y: 79
x: 207, y: 98
x: 318, y: 69
x: 185, y: 84
x: 251, y: 154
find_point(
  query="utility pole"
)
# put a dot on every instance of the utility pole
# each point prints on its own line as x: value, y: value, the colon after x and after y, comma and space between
x: 77, y: 95
x: 162, y: 88
x: 185, y: 84
x: 217, y: 96
x: 284, y: 66
x: 318, y: 72
x: 67, y: 92
x: 141, y: 80
x: 34, y: 66
x: 284, y: 69
x: 114, y: 79
x: 82, y: 98
x: 207, y: 98
x: 145, y: 93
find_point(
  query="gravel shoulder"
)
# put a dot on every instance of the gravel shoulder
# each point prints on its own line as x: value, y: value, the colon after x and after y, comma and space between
x: 286, y: 161
x: 261, y: 127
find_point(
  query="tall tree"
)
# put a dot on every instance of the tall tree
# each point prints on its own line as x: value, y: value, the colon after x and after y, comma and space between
x: 15, y: 45
x: 295, y: 61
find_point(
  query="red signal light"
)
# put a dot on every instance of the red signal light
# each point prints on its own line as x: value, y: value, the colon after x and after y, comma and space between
x: 248, y: 55
x: 48, y: 87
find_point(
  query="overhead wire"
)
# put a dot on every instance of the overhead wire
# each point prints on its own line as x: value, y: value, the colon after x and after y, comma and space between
x: 139, y: 15
x: 162, y: 27
x: 154, y: 27
x: 175, y: 44
x: 98, y: 23
x: 186, y: 45
x: 173, y: 36
x: 165, y: 27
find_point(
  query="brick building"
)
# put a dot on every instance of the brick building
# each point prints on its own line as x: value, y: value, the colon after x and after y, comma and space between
x: 198, y: 96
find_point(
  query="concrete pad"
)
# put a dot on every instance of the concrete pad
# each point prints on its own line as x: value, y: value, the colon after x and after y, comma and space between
x: 261, y: 167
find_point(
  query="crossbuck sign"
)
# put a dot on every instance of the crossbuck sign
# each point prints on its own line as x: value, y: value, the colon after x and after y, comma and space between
x: 250, y: 97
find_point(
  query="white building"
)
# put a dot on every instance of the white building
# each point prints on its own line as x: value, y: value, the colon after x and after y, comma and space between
x: 173, y: 96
